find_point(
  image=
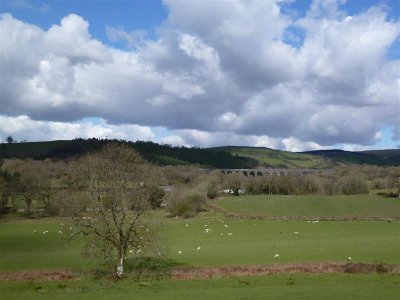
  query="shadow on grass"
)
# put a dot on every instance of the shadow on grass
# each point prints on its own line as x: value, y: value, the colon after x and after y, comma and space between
x: 141, y: 268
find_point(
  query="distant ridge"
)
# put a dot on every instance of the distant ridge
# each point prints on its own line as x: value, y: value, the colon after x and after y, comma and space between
x: 157, y: 153
x: 388, y: 157
x: 235, y: 157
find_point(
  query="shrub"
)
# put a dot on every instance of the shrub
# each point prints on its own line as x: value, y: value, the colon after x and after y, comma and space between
x: 52, y: 209
x: 185, y: 204
x: 234, y: 182
x: 353, y: 185
x: 212, y: 190
x: 3, y: 202
x: 156, y: 197
x: 33, y: 213
x: 252, y: 187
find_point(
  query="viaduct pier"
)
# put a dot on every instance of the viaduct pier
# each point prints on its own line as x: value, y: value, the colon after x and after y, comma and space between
x: 273, y: 172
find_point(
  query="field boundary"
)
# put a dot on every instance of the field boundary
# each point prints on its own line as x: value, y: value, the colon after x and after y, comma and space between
x: 254, y: 270
x: 236, y: 216
x: 188, y: 273
x: 42, y: 275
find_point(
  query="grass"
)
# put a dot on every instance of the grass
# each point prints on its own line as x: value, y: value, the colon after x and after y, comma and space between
x: 21, y: 248
x: 251, y: 242
x: 288, y: 286
x: 312, y: 205
x: 256, y: 242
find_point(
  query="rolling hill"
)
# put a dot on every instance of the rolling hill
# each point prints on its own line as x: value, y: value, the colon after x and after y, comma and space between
x: 160, y: 154
x: 218, y: 157
x: 271, y: 158
x: 390, y: 157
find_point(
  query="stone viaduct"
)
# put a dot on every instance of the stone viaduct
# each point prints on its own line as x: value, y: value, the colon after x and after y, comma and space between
x: 273, y: 172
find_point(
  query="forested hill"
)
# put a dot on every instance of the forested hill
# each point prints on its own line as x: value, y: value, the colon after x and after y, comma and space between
x: 219, y: 157
x: 161, y: 154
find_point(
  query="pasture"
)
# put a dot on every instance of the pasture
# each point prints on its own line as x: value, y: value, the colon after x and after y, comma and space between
x: 227, y: 242
x: 211, y: 240
x: 313, y: 205
x: 287, y: 286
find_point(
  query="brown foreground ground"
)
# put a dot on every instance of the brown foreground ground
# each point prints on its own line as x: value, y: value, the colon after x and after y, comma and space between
x: 223, y: 271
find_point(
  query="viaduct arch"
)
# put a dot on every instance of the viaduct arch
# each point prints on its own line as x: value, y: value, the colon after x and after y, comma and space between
x: 272, y: 172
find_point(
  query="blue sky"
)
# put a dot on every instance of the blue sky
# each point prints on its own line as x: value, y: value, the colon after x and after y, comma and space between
x: 175, y: 81
x: 144, y: 14
x: 132, y: 15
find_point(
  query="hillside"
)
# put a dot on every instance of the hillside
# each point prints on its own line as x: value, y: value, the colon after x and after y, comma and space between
x: 218, y: 157
x: 271, y: 158
x: 389, y: 157
x: 160, y: 154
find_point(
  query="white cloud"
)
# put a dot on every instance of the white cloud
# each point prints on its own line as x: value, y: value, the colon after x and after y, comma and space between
x: 219, y: 72
x: 295, y: 145
x: 174, y: 140
x: 134, y: 39
x: 23, y: 128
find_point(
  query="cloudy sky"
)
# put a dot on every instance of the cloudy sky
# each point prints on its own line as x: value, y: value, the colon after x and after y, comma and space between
x: 292, y: 75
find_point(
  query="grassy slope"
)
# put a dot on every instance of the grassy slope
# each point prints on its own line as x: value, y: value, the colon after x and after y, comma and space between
x: 251, y: 242
x: 313, y: 205
x: 290, y: 286
x: 377, y: 157
x: 391, y: 154
x: 276, y: 158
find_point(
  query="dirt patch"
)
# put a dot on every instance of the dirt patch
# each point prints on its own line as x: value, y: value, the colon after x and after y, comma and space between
x: 185, y: 273
x: 42, y: 275
x: 242, y: 270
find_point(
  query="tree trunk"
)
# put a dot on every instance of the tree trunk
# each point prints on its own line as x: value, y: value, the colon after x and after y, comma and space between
x: 120, y: 268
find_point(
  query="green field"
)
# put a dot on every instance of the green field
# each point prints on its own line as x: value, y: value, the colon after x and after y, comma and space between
x: 290, y: 286
x: 312, y: 205
x: 228, y: 242
x: 251, y: 242
x: 256, y: 242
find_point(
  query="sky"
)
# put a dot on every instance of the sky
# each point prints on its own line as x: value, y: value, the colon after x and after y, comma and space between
x: 290, y: 75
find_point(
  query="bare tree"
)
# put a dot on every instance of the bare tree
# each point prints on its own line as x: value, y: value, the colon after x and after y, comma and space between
x: 28, y: 190
x: 117, y: 184
x: 234, y: 182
